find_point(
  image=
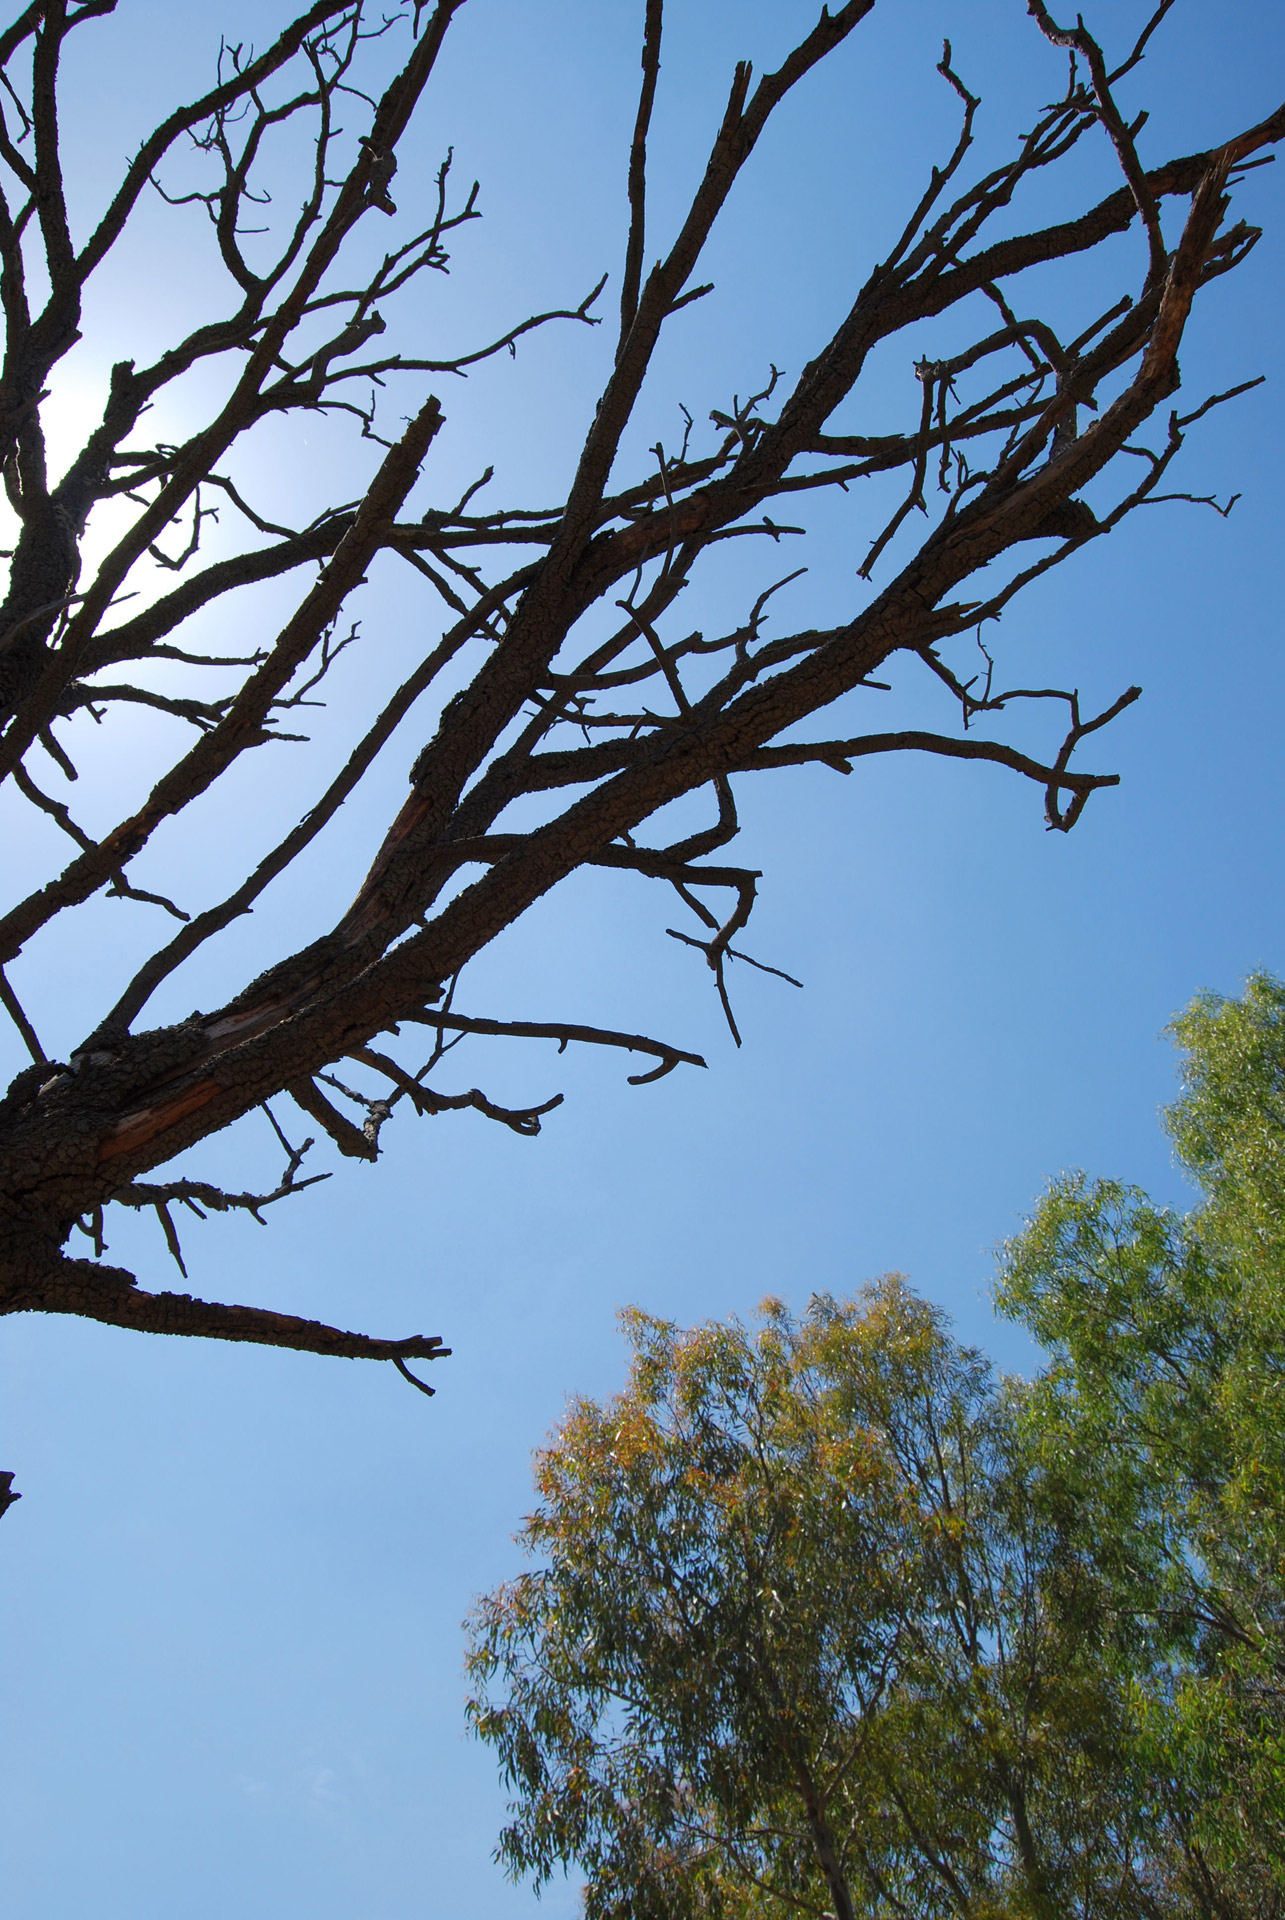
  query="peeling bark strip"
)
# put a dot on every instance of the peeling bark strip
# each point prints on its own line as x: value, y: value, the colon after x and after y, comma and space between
x: 513, y: 697
x: 148, y: 1123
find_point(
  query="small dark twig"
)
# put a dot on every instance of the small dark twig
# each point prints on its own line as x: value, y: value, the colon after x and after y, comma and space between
x: 200, y: 1196
x: 1122, y: 137
x: 415, y: 1381
x: 928, y: 373
x: 354, y: 1142
x: 171, y: 1237
x: 564, y: 1032
x: 632, y: 279
x: 716, y: 953
x: 13, y: 1008
x: 426, y: 1100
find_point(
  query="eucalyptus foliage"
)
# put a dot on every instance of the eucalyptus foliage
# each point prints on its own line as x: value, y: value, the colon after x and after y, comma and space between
x: 1164, y: 1406
x: 826, y: 1618
x: 800, y: 1636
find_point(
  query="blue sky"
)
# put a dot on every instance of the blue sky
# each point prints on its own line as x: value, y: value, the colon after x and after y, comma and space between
x: 232, y: 1592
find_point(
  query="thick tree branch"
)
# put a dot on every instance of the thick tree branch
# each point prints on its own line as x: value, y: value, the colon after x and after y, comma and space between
x: 552, y: 738
x: 110, y: 1295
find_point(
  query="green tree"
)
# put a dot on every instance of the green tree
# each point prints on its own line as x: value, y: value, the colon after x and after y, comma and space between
x: 1164, y: 1408
x: 801, y: 1640
x: 826, y: 1618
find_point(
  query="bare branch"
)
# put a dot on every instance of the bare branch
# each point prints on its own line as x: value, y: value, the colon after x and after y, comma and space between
x: 563, y: 703
x: 632, y: 279
x: 564, y: 1032
x: 13, y: 1008
x: 356, y: 1142
x: 111, y: 1295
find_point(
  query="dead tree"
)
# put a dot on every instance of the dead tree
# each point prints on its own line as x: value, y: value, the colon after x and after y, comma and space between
x: 593, y: 727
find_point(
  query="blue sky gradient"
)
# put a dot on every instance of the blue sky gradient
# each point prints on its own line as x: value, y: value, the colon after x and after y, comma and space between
x: 233, y: 1589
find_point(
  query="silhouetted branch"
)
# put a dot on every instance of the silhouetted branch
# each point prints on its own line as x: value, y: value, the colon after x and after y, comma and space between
x: 564, y: 1032
x: 550, y: 739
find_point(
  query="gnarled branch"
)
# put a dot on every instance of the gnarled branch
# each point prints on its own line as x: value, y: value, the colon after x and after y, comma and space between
x: 549, y: 739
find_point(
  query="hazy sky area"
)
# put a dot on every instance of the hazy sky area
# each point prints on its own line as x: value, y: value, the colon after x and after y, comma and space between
x: 232, y: 1591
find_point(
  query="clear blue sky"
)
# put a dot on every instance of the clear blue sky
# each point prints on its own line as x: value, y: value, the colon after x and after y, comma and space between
x: 232, y: 1591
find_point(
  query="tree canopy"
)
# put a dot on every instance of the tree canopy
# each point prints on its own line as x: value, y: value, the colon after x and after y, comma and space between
x: 559, y: 705
x: 829, y: 1618
x: 1163, y: 1407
